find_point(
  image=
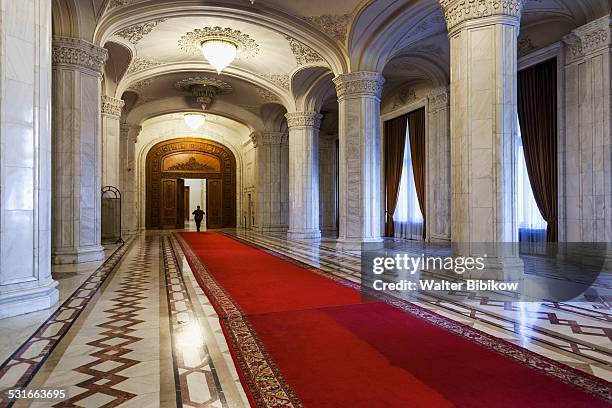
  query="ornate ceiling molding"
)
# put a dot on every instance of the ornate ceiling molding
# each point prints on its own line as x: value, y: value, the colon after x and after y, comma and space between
x: 460, y: 11
x: 78, y: 53
x: 140, y: 64
x: 359, y: 84
x: 404, y: 97
x: 266, y: 95
x: 254, y: 109
x: 334, y: 25
x: 281, y: 80
x: 190, y: 42
x: 592, y: 37
x: 140, y: 85
x: 112, y: 4
x: 304, y: 119
x: 525, y: 45
x: 435, y: 20
x: 137, y: 32
x: 438, y: 98
x: 188, y: 83
x: 112, y: 106
x: 303, y: 54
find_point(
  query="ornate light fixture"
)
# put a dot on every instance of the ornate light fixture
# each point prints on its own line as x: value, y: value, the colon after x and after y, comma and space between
x: 194, y: 120
x: 220, y: 45
x: 219, y: 53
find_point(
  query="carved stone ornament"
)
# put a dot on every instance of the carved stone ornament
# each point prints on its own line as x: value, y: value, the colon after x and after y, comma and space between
x: 260, y: 138
x: 78, y: 53
x: 359, y: 83
x: 303, y: 54
x: 191, y: 41
x: 112, y: 106
x: 140, y: 64
x: 187, y: 83
x: 281, y: 80
x: 140, y: 85
x: 404, y: 97
x: 331, y: 24
x: 265, y: 95
x: 304, y: 119
x: 439, y: 98
x: 594, y: 36
x: 137, y: 32
x: 460, y: 11
x: 191, y: 165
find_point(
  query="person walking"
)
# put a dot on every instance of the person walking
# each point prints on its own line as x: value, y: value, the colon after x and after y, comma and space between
x: 198, y: 215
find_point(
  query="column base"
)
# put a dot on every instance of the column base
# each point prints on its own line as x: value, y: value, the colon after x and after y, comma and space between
x: 79, y: 255
x: 28, y: 300
x: 304, y: 234
x: 359, y: 244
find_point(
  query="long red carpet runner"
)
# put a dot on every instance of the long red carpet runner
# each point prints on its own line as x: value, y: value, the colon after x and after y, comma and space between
x: 303, y: 339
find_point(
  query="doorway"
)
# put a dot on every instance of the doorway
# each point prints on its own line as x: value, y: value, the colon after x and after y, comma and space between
x: 197, y: 197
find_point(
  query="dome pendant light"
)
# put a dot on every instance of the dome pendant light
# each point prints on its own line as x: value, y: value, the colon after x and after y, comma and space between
x: 219, y: 53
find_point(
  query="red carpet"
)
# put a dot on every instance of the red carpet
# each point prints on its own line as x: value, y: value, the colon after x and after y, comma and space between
x: 300, y: 338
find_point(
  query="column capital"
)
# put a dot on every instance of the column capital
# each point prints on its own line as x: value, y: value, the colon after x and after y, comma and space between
x: 112, y: 106
x: 304, y: 119
x: 264, y: 138
x: 74, y: 52
x: 592, y: 37
x: 362, y: 83
x: 128, y: 130
x: 438, y: 98
x: 457, y: 12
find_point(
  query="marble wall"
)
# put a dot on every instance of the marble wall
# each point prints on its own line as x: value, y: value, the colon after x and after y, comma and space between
x: 128, y: 136
x: 111, y: 112
x: 25, y: 158
x: 328, y: 170
x: 77, y: 150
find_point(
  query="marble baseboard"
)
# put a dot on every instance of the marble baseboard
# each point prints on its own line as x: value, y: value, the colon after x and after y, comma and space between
x: 357, y: 244
x: 271, y: 228
x: 28, y: 300
x: 78, y: 255
x: 304, y: 234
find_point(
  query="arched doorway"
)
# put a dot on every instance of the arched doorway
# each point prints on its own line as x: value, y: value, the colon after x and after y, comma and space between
x: 170, y: 162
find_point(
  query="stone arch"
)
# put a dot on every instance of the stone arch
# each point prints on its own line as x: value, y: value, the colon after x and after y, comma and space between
x: 155, y: 173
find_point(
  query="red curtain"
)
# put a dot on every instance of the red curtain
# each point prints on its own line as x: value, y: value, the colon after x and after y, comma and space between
x: 537, y: 110
x: 416, y: 131
x: 395, y: 139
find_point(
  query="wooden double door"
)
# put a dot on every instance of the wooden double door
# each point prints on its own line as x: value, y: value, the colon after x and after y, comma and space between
x: 174, y: 206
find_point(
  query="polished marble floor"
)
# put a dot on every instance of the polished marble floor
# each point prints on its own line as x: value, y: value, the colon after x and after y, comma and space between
x: 137, y: 330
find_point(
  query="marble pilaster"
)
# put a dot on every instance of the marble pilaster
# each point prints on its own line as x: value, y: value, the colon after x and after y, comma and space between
x: 304, y: 174
x: 327, y: 183
x: 360, y: 159
x: 26, y: 284
x: 483, y: 43
x: 127, y: 180
x: 77, y: 150
x: 438, y: 165
x: 111, y: 113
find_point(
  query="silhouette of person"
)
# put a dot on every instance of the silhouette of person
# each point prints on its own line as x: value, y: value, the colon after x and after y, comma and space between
x: 198, y: 215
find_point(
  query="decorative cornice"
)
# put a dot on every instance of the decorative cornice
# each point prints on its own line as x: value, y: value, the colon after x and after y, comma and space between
x: 140, y: 64
x: 304, y: 119
x: 191, y: 41
x: 438, y: 98
x: 260, y: 138
x: 127, y: 130
x: 457, y: 12
x: 359, y: 84
x: 592, y: 37
x: 136, y: 32
x: 333, y: 25
x: 74, y: 52
x: 112, y: 106
x: 303, y: 54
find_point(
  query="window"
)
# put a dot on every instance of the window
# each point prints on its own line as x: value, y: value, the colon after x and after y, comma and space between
x: 531, y: 224
x: 408, y: 219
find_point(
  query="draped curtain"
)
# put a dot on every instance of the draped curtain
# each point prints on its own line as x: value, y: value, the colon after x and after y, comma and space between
x: 395, y: 139
x: 537, y: 111
x: 416, y: 132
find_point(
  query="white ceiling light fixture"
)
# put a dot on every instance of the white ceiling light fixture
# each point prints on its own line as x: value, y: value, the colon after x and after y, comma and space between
x: 219, y: 53
x: 220, y: 45
x: 194, y: 120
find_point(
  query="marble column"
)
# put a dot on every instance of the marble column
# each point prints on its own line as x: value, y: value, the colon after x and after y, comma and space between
x: 585, y: 157
x: 483, y: 44
x: 127, y: 183
x: 77, y: 150
x: 438, y: 165
x: 327, y: 183
x: 360, y: 159
x: 25, y: 158
x: 111, y: 113
x: 268, y: 181
x: 303, y: 174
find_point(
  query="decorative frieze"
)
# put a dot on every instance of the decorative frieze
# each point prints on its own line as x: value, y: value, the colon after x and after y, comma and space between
x: 78, y: 53
x: 137, y: 32
x: 591, y: 37
x: 438, y: 98
x: 304, y: 119
x: 333, y: 25
x: 112, y: 106
x: 457, y: 12
x: 140, y: 64
x: 404, y: 97
x: 359, y: 84
x: 303, y: 54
